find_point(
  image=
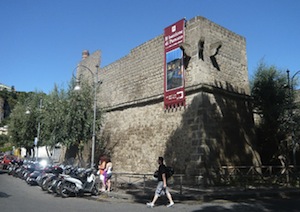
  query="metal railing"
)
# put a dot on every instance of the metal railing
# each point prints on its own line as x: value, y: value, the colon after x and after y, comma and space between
x: 127, y: 180
x: 258, y: 175
x: 236, y: 176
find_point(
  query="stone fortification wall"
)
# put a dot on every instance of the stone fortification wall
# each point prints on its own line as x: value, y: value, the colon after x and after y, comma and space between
x: 139, y: 75
x: 134, y: 78
x: 212, y: 131
x: 220, y: 46
x: 215, y: 128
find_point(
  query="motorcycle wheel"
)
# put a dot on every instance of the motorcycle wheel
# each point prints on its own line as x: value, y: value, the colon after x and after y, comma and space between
x: 44, y: 184
x: 95, y: 191
x: 49, y: 185
x: 57, y: 189
x: 28, y: 180
x: 64, y: 190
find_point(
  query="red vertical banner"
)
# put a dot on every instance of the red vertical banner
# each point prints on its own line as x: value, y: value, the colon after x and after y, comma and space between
x: 174, y: 94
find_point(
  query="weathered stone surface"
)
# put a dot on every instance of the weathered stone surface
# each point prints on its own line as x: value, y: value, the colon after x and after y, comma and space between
x: 215, y: 128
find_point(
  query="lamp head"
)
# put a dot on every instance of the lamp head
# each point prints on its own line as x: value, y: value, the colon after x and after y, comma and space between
x: 77, y: 86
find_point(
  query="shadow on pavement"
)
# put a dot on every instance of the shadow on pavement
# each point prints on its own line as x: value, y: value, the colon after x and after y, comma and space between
x: 4, y: 195
x: 3, y: 171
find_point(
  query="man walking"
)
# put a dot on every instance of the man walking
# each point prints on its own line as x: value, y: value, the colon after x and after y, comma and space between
x: 161, y: 188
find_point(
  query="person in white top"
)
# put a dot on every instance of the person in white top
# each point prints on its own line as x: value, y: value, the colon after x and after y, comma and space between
x: 108, y: 169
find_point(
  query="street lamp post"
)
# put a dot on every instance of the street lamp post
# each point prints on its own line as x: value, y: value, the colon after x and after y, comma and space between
x: 38, y: 131
x: 95, y: 83
x: 36, y: 139
x: 291, y: 93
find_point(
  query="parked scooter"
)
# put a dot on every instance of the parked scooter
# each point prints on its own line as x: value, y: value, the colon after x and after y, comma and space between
x: 52, y: 181
x: 44, y: 174
x: 49, y: 173
x: 85, y: 182
x: 31, y: 178
x: 68, y: 171
x: 28, y: 168
x: 13, y: 166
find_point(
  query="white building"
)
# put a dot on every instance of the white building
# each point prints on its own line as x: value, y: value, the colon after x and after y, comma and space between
x: 2, y: 87
x: 3, y: 130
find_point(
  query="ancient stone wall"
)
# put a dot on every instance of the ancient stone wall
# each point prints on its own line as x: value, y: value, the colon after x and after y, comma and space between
x: 139, y: 75
x: 215, y: 128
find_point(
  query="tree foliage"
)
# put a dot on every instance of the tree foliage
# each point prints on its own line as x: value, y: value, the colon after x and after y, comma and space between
x: 53, y: 118
x: 23, y: 121
x: 271, y: 97
x: 64, y: 117
x: 9, y: 99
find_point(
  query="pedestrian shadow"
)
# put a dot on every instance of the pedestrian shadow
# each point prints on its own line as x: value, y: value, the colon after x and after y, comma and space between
x: 140, y: 193
x: 4, y: 195
x: 136, y: 192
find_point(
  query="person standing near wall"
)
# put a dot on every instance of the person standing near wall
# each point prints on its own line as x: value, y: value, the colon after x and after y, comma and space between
x: 108, y: 170
x: 102, y: 172
x: 161, y: 188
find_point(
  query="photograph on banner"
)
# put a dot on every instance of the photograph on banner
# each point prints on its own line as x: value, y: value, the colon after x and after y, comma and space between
x: 174, y: 61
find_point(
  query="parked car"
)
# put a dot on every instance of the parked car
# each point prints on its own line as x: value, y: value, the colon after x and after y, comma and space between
x: 6, y: 160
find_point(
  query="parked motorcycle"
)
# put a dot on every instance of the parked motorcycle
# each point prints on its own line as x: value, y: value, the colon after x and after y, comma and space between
x: 52, y: 181
x: 28, y: 168
x: 85, y: 182
x: 31, y: 177
x: 13, y: 166
x: 44, y: 174
x: 68, y: 171
x: 49, y: 173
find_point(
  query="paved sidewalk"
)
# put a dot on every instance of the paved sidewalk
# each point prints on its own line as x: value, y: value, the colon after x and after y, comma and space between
x: 197, y: 195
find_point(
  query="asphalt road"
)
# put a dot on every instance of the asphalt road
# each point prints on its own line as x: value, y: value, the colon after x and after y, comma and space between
x: 16, y: 195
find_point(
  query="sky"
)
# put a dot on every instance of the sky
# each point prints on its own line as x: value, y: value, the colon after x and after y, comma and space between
x: 41, y: 41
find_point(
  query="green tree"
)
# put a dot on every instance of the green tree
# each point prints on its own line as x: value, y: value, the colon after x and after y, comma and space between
x: 270, y: 96
x: 79, y: 119
x: 20, y: 128
x: 4, y: 144
x: 24, y: 122
x: 53, y: 118
x: 10, y: 99
x: 64, y: 117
